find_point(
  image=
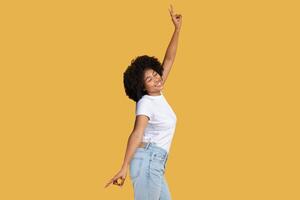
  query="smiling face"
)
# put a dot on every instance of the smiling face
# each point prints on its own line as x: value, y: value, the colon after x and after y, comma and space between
x: 152, y: 82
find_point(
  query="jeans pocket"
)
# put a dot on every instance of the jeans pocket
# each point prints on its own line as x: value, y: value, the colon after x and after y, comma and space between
x: 157, y: 168
x: 135, y: 167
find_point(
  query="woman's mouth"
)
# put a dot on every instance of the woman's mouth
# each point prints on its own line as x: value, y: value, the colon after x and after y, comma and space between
x: 158, y: 84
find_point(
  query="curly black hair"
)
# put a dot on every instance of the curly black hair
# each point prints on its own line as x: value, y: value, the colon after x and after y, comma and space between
x: 133, y: 77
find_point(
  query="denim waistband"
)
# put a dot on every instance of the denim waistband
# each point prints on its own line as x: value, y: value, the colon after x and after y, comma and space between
x: 153, y: 147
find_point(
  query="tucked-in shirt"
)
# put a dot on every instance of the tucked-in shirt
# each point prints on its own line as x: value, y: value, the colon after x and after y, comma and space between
x: 162, y: 120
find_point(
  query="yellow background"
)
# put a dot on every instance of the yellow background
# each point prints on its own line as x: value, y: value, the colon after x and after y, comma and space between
x: 234, y: 86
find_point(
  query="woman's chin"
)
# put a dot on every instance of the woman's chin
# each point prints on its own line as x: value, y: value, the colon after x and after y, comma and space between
x: 160, y: 88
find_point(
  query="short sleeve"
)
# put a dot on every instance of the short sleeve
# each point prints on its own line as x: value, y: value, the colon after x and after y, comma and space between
x: 144, y: 107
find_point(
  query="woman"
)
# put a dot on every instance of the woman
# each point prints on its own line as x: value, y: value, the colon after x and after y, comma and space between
x: 149, y: 143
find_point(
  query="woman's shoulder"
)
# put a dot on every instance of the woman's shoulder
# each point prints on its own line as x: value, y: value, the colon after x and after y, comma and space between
x: 144, y: 100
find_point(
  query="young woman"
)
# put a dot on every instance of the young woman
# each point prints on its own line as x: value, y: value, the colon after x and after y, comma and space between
x: 149, y: 143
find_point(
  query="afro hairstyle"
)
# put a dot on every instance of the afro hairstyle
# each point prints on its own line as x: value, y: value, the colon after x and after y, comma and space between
x: 133, y: 77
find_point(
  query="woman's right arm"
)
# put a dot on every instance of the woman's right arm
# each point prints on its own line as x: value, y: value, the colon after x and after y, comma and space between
x: 135, y: 139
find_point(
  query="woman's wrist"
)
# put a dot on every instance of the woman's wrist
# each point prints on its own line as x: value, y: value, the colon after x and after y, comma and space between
x: 124, y: 166
x: 177, y: 29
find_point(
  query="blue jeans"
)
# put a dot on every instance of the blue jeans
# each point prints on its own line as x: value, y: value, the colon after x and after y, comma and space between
x: 147, y: 169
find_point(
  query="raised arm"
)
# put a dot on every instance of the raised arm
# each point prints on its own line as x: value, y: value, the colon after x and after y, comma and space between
x: 172, y: 47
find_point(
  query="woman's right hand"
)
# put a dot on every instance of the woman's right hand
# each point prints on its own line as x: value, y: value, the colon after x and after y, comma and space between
x: 120, y: 175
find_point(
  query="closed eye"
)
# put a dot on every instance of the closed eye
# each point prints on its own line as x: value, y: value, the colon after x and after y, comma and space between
x: 149, y: 79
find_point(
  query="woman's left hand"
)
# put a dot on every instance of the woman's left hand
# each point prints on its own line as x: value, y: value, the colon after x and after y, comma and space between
x: 176, y: 18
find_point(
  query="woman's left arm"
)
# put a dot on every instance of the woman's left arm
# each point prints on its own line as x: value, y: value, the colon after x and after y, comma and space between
x: 172, y: 47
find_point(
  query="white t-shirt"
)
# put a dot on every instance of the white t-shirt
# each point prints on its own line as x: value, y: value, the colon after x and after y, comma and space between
x: 162, y: 123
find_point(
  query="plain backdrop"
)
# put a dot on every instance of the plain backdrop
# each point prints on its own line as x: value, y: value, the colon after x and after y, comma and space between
x: 234, y: 86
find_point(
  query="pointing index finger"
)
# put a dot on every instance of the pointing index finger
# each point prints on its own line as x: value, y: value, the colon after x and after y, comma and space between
x: 171, y: 9
x: 109, y: 183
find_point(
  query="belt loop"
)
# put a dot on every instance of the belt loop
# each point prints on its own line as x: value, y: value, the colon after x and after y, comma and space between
x: 147, y: 145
